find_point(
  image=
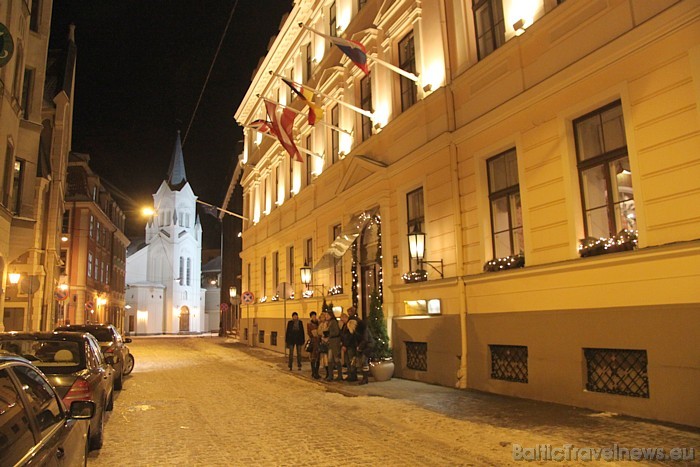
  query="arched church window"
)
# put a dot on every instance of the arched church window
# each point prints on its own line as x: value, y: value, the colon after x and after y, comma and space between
x: 181, y: 277
x: 189, y: 271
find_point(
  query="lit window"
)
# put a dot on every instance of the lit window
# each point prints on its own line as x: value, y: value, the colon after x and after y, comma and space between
x: 407, y: 62
x: 366, y: 104
x: 506, y: 211
x: 490, y: 26
x: 415, y: 217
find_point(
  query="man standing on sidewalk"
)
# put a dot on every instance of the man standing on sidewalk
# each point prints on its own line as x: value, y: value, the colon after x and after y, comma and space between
x: 294, y: 337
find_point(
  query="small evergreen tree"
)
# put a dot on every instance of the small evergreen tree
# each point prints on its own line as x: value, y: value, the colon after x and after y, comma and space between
x: 326, y: 307
x: 377, y: 326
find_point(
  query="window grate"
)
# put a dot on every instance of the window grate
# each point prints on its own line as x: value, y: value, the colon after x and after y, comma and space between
x: 509, y: 363
x: 245, y: 334
x: 261, y: 337
x: 273, y: 338
x: 617, y: 371
x: 417, y: 356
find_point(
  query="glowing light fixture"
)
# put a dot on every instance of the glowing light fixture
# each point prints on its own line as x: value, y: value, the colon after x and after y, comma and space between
x: 14, y: 277
x: 232, y: 291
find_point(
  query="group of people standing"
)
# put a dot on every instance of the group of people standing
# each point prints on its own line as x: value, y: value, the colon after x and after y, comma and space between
x: 332, y: 344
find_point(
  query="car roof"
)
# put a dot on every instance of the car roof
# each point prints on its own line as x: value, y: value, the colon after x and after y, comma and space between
x: 83, y: 326
x: 54, y: 335
x: 6, y: 356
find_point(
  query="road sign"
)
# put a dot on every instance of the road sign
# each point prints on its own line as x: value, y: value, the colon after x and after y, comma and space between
x: 60, y: 295
x: 247, y: 297
x: 224, y: 307
x: 89, y: 305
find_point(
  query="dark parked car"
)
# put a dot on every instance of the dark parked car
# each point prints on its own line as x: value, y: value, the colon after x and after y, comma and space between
x: 74, y: 365
x: 35, y: 427
x: 112, y: 345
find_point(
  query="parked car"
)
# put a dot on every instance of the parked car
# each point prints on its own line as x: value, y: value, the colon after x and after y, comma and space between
x: 35, y: 427
x: 74, y: 365
x: 112, y: 345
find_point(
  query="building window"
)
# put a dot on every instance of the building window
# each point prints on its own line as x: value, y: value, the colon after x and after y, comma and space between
x: 273, y: 338
x: 309, y: 162
x: 366, y: 104
x: 506, y: 211
x: 332, y: 21
x: 181, y: 276
x: 189, y: 271
x: 617, y: 371
x: 89, y: 265
x: 490, y: 27
x: 275, y: 269
x: 335, y: 136
x: 17, y: 182
x: 337, y: 263
x: 415, y: 218
x: 604, y: 172
x: 7, y: 179
x: 261, y: 337
x: 27, y: 87
x: 309, y: 255
x: 290, y: 264
x: 263, y: 276
x: 35, y: 16
x: 509, y: 363
x: 97, y: 269
x: 92, y: 226
x: 417, y: 356
x: 407, y: 62
x: 65, y: 225
x: 309, y: 64
x: 98, y: 230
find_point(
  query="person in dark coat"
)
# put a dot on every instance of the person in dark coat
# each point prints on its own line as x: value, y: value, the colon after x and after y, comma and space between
x: 294, y: 337
x: 315, y: 354
x: 365, y: 345
x: 349, y: 340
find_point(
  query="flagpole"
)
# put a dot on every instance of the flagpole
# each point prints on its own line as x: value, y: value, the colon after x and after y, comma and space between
x: 222, y: 210
x: 391, y: 67
x: 364, y: 112
x: 299, y: 112
x: 305, y: 151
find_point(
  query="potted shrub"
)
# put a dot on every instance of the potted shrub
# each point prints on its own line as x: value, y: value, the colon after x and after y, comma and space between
x: 381, y: 363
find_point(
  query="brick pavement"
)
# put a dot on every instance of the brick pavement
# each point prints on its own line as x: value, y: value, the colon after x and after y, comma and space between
x: 209, y: 401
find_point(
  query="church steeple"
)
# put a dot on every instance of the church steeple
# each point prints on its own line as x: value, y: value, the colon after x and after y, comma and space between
x: 176, y: 173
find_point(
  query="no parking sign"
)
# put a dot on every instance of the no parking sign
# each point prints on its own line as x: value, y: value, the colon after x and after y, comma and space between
x: 247, y: 297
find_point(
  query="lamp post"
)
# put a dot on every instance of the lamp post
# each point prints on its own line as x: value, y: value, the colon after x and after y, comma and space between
x: 232, y: 293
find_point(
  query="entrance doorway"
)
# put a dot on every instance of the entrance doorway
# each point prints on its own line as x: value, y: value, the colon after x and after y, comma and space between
x: 184, y: 319
x: 370, y: 259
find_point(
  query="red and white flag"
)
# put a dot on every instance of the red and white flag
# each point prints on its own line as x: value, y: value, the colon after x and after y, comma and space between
x: 282, y: 126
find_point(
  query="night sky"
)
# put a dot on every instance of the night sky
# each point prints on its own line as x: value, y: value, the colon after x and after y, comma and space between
x: 140, y: 68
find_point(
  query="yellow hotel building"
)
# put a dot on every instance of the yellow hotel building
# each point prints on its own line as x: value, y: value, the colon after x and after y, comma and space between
x: 549, y: 151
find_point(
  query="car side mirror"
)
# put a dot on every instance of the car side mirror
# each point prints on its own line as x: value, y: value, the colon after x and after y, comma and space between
x: 127, y: 340
x: 82, y: 410
x: 109, y: 359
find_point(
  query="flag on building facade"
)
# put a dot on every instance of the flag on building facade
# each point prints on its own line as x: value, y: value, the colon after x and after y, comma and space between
x: 354, y: 51
x: 282, y: 126
x: 315, y: 111
x: 211, y: 210
x: 263, y: 126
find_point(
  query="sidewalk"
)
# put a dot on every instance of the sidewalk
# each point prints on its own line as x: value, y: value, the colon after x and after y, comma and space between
x: 583, y: 427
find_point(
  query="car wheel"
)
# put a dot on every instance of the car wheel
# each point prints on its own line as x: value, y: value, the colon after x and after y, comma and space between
x: 110, y: 402
x: 97, y: 438
x: 118, y: 383
x: 129, y: 364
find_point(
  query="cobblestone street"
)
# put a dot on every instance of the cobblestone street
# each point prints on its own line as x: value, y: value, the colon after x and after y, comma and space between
x: 208, y: 401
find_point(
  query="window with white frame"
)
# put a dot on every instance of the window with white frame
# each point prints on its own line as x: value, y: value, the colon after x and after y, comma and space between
x: 290, y: 264
x: 337, y: 262
x: 366, y: 104
x: 415, y: 218
x: 263, y: 275
x: 335, y: 136
x: 89, y: 265
x: 189, y: 271
x: 506, y: 211
x: 489, y: 24
x: 407, y: 62
x: 332, y: 20
x: 309, y: 255
x: 17, y: 185
x: 308, y: 69
x: 604, y: 172
x: 181, y: 276
x: 275, y: 269
x: 309, y: 160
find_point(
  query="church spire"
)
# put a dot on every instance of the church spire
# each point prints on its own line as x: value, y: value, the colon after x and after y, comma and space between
x: 176, y: 173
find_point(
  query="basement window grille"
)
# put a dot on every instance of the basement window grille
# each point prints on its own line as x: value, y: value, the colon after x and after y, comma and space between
x: 261, y: 337
x: 509, y: 363
x: 273, y: 338
x: 617, y: 371
x: 245, y: 334
x: 417, y: 356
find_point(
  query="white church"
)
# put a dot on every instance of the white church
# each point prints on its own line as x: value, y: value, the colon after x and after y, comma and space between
x: 163, y: 290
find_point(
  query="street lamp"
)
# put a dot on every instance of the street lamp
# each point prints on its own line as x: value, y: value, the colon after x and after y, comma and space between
x: 305, y: 272
x: 233, y: 294
x: 416, y: 247
x: 14, y: 277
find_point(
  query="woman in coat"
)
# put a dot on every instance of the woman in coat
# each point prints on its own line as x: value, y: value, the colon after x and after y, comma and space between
x: 312, y: 331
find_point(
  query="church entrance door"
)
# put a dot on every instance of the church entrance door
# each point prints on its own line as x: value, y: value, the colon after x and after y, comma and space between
x: 184, y: 319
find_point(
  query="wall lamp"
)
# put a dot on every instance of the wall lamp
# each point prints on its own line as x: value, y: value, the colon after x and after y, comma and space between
x: 305, y: 271
x: 416, y: 246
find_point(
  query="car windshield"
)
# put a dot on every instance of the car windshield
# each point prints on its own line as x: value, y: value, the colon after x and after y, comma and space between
x: 101, y: 334
x: 51, y: 356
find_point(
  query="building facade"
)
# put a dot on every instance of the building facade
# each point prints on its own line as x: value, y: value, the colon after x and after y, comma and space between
x: 94, y: 250
x: 164, y: 294
x: 547, y: 152
x: 36, y: 126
